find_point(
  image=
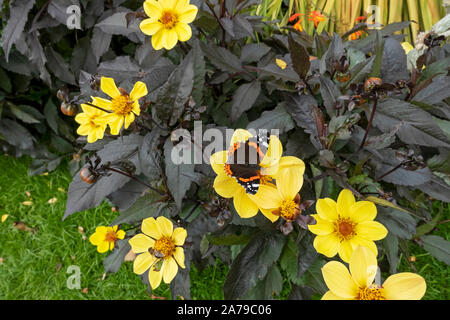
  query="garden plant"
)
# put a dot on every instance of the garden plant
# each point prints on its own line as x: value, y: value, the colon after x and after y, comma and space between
x: 297, y: 157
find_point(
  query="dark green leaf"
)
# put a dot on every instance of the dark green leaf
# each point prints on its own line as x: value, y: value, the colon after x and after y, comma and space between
x: 221, y: 58
x: 277, y: 118
x: 22, y: 114
x: 434, y: 93
x: 244, y: 98
x: 437, y: 247
x: 436, y: 188
x: 114, y: 260
x: 253, y: 52
x: 170, y: 98
x: 18, y: 16
x: 15, y: 134
x: 299, y: 57
x: 417, y: 125
x: 179, y: 176
x: 252, y: 264
x: 390, y: 245
x: 82, y: 196
x: 399, y: 223
x: 330, y: 93
x: 58, y: 66
x: 378, y: 54
x: 393, y: 65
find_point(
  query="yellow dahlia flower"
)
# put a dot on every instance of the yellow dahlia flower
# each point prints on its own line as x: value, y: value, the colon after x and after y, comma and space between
x: 122, y: 107
x: 168, y: 22
x: 358, y: 284
x: 227, y: 186
x: 344, y: 225
x: 283, y: 199
x: 91, y: 123
x: 105, y: 238
x: 160, y: 250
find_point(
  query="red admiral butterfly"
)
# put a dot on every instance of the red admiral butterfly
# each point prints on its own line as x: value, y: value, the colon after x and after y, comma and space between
x: 244, y: 159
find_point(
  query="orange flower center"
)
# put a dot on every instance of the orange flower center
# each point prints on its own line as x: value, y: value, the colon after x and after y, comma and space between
x: 370, y: 294
x: 111, y: 236
x: 165, y: 245
x: 288, y: 210
x: 122, y: 105
x: 345, y: 228
x: 168, y: 19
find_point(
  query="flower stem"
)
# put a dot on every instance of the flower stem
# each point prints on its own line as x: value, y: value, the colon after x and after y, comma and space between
x: 135, y: 179
x: 369, y: 125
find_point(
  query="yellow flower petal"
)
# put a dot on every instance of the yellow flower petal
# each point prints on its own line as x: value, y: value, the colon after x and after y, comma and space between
x: 274, y: 152
x: 226, y: 186
x: 361, y: 241
x: 217, y: 161
x: 168, y: 4
x: 240, y: 135
x: 150, y: 27
x: 150, y: 228
x: 157, y: 40
x: 327, y: 245
x: 143, y: 262
x: 189, y: 14
x: 269, y: 215
x: 363, y: 211
x: 179, y: 256
x: 371, y: 230
x: 154, y: 277
x: 129, y: 118
x: 165, y: 226
x: 103, y: 247
x: 338, y: 280
x: 267, y: 197
x: 81, y: 118
x: 141, y: 243
x: 120, y: 234
x: 322, y: 227
x: 344, y: 202
x: 290, y: 181
x: 169, y: 269
x: 152, y: 9
x: 115, y: 122
x: 404, y: 286
x: 139, y: 90
x: 179, y: 236
x: 331, y: 296
x: 170, y: 38
x: 345, y: 250
x: 100, y: 102
x: 327, y: 209
x: 109, y: 87
x: 98, y: 237
x: 363, y: 266
x: 184, y: 31
x: 244, y: 206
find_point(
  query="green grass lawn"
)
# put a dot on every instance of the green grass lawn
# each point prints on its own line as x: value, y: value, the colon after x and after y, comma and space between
x: 34, y: 263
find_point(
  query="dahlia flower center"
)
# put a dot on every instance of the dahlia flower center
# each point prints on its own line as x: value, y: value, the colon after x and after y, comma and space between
x: 122, y: 104
x: 168, y: 19
x: 288, y: 210
x: 165, y: 245
x: 111, y: 236
x: 345, y: 228
x: 373, y: 293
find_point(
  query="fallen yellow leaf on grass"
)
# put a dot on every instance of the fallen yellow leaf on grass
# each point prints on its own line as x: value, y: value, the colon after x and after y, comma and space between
x: 52, y: 200
x: 130, y: 256
x: 4, y: 217
x: 85, y: 290
x: 28, y: 194
x: 61, y: 189
x: 27, y: 203
x: 1, y: 260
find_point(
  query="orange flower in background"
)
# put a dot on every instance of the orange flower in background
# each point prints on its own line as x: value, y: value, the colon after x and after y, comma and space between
x: 298, y: 25
x: 317, y: 17
x: 358, y: 34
